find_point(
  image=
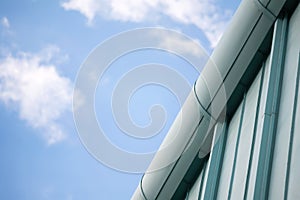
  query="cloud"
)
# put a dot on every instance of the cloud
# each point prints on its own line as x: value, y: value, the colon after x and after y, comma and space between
x: 178, y: 43
x: 204, y: 14
x: 31, y: 84
x: 88, y: 8
x: 4, y: 22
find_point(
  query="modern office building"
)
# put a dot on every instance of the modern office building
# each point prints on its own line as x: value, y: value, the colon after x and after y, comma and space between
x: 238, y: 134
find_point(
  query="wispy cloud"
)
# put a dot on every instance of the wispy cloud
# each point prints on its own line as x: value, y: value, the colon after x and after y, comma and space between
x: 178, y: 42
x: 4, y: 22
x: 31, y: 84
x: 5, y: 31
x: 89, y: 8
x: 205, y: 14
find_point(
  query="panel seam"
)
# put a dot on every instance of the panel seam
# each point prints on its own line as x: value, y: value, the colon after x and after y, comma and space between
x: 267, y: 145
x: 236, y: 147
x: 292, y: 132
x: 254, y: 130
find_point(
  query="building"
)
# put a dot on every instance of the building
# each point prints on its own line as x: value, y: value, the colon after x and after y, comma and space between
x: 238, y: 136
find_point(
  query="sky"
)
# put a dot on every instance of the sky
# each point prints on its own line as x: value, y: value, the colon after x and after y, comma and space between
x: 44, y: 44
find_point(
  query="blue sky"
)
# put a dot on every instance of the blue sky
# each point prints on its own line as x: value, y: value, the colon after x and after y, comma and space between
x: 43, y: 43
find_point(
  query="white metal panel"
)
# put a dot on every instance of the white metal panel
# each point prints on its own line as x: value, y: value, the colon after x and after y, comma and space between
x: 275, y: 6
x: 172, y: 147
x: 257, y: 142
x: 138, y: 194
x: 281, y: 151
x: 294, y: 183
x: 194, y: 191
x: 185, y: 161
x: 201, y: 194
x: 215, y: 162
x: 244, y: 147
x: 292, y: 61
x: 229, y: 155
x: 264, y: 2
x: 232, y: 56
x: 241, y: 41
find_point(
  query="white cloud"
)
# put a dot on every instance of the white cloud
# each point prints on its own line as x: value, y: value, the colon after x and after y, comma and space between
x: 88, y: 8
x: 4, y: 22
x: 32, y: 85
x: 204, y: 14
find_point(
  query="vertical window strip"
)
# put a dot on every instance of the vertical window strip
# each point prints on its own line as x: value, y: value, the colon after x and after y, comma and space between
x: 271, y: 111
x: 217, y: 155
x: 202, y: 180
x: 287, y: 177
x: 254, y: 129
x: 236, y: 147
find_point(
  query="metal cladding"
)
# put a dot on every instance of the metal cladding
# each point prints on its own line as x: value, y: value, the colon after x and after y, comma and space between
x: 192, y: 131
